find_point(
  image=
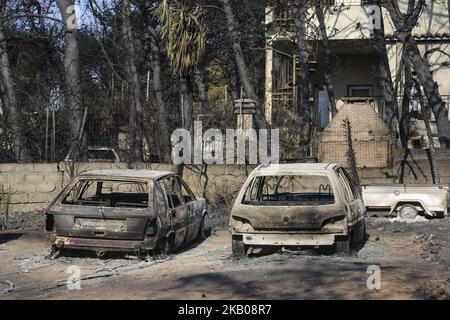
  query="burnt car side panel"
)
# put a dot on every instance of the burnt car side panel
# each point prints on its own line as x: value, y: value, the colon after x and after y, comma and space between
x: 184, y: 211
x: 195, y: 216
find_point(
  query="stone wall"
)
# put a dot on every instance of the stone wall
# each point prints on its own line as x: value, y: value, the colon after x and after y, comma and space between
x: 33, y: 186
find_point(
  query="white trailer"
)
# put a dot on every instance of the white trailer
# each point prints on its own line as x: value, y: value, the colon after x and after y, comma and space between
x: 407, y: 201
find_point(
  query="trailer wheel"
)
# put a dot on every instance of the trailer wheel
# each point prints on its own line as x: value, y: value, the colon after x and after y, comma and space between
x: 407, y: 211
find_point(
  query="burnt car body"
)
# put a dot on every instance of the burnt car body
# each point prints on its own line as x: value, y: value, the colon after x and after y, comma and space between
x: 96, y: 154
x: 297, y: 205
x: 126, y: 210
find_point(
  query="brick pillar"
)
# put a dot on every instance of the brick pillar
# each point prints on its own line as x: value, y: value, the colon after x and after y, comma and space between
x: 244, y: 109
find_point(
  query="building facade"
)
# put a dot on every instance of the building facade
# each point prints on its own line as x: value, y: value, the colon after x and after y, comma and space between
x: 354, y: 74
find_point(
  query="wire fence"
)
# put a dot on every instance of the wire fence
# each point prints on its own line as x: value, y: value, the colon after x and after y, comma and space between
x: 47, y: 136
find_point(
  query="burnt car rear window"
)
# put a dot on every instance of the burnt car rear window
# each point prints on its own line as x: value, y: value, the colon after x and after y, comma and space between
x: 95, y: 154
x: 289, y: 190
x: 108, y: 193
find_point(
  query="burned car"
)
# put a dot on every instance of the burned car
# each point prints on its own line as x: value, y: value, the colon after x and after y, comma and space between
x: 292, y: 206
x: 96, y: 154
x: 126, y: 210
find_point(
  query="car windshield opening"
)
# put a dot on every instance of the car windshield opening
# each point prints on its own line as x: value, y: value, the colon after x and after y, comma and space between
x: 290, y: 190
x: 108, y: 193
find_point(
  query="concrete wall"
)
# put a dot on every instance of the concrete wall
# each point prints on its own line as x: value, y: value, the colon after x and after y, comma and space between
x: 33, y: 186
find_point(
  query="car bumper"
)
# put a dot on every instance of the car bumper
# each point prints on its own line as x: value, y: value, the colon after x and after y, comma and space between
x: 103, y: 244
x: 289, y: 239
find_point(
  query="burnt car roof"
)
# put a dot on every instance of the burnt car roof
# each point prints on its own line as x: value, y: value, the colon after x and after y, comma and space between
x: 126, y: 173
x: 293, y: 168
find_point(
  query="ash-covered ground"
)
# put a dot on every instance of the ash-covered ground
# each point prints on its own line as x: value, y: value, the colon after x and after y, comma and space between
x: 413, y: 259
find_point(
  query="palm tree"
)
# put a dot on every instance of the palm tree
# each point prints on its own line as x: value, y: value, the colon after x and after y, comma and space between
x: 184, y: 30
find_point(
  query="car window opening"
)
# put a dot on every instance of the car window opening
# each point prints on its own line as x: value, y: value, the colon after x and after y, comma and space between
x: 108, y: 193
x: 290, y: 190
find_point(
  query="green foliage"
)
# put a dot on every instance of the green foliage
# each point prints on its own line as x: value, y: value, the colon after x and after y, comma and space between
x: 184, y: 30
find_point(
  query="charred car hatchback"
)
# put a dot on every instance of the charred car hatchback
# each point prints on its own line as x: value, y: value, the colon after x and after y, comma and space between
x: 125, y: 210
x: 297, y: 205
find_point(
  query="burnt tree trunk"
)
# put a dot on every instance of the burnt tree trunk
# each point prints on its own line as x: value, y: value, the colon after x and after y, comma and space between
x: 186, y: 102
x: 242, y: 66
x: 425, y: 116
x: 164, y: 136
x: 385, y: 78
x: 201, y: 88
x: 9, y: 103
x: 305, y: 91
x: 136, y: 117
x: 448, y: 6
x: 327, y: 74
x: 72, y: 92
x: 431, y: 91
x: 405, y: 118
x: 233, y: 78
x: 404, y: 24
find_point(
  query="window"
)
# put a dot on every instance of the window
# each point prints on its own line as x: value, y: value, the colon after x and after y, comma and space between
x: 349, y: 192
x: 323, y: 108
x: 160, y: 199
x: 306, y: 190
x: 188, y: 196
x: 100, y: 154
x: 360, y: 91
x: 108, y: 193
x: 355, y: 191
x: 171, y: 186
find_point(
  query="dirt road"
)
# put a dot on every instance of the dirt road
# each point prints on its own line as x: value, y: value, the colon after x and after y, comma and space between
x: 413, y: 259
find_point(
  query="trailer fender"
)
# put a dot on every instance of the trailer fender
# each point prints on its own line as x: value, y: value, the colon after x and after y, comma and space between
x: 417, y: 203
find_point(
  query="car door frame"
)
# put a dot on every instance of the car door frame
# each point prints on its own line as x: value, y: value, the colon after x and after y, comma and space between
x: 194, y: 214
x: 177, y: 216
x: 354, y: 203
